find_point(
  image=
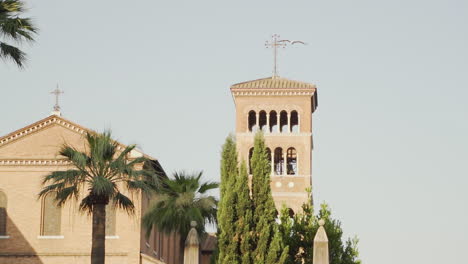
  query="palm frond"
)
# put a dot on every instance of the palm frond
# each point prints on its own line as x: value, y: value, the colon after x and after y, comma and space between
x: 123, y: 202
x: 207, y: 186
x: 13, y: 53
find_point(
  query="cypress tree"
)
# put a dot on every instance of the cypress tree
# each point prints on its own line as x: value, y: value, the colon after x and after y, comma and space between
x: 244, y: 210
x: 227, y: 248
x: 267, y: 241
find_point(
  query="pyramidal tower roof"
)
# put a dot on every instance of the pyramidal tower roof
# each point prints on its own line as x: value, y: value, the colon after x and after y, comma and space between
x: 273, y: 83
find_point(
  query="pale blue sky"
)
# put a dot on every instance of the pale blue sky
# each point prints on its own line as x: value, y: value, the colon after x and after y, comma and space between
x: 391, y: 147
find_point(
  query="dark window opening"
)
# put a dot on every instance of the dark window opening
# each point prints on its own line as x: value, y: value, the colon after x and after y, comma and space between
x: 279, y: 161
x: 291, y: 161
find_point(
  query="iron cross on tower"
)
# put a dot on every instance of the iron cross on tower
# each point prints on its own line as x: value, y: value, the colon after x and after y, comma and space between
x: 57, y: 92
x: 276, y: 43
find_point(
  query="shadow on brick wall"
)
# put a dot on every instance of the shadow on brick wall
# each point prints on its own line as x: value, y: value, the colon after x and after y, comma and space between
x: 15, y: 249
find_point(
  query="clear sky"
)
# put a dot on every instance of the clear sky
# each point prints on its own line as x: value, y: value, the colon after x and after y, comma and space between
x: 390, y: 132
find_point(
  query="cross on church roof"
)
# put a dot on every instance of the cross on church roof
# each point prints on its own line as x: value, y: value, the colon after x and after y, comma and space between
x: 279, y: 43
x: 57, y: 92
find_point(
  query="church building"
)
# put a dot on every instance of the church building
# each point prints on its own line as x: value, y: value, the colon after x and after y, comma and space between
x: 37, y: 231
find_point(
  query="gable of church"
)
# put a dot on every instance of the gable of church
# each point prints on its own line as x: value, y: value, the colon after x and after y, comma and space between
x: 42, y: 140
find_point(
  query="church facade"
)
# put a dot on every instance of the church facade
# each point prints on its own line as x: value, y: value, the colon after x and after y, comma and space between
x: 36, y: 231
x: 282, y: 109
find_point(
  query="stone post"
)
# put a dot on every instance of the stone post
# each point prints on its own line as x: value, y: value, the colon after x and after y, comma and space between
x: 192, y: 246
x: 321, y: 255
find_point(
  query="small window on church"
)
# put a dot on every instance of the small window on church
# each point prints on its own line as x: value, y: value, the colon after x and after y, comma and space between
x: 273, y: 122
x: 279, y: 161
x: 51, y: 216
x: 111, y: 215
x: 291, y: 161
x: 262, y: 122
x: 294, y: 122
x: 3, y: 214
x: 283, y: 122
x: 252, y: 120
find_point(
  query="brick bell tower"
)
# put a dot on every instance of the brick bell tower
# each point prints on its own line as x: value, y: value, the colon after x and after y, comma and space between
x: 282, y: 109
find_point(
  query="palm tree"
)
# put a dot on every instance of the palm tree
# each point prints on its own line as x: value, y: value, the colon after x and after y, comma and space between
x: 98, y: 177
x: 14, y: 28
x: 180, y: 201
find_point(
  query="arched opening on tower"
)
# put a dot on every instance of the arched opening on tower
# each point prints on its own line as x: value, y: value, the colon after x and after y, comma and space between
x: 291, y: 213
x: 291, y: 159
x: 278, y: 161
x: 252, y: 120
x: 250, y: 160
x: 262, y: 122
x: 294, y: 122
x: 273, y: 121
x: 283, y: 122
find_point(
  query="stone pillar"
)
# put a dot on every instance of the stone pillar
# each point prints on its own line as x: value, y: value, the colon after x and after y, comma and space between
x: 278, y: 125
x: 321, y: 255
x: 192, y: 246
x: 268, y: 122
x: 284, y: 163
x: 289, y: 122
x: 257, y: 121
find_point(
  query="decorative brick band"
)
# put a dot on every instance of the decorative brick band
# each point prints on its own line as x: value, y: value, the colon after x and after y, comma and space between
x: 274, y: 93
x: 33, y: 162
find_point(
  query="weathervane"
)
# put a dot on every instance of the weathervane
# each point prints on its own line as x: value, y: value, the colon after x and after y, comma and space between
x: 279, y: 43
x: 57, y: 92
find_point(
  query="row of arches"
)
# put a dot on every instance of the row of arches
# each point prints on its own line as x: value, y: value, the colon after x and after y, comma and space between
x: 273, y: 122
x: 282, y: 162
x: 51, y: 216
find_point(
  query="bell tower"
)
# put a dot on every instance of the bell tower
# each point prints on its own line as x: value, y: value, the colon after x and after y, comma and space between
x: 282, y: 109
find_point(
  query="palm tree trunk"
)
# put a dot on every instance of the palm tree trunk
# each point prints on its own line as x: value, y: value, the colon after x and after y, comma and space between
x: 98, y: 251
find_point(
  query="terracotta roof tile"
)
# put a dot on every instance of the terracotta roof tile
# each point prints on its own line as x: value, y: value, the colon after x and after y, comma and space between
x: 273, y: 83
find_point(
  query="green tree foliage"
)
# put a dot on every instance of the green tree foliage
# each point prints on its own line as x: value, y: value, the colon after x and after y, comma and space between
x: 228, y: 248
x: 101, y: 173
x: 244, y: 223
x: 299, y: 232
x: 268, y: 245
x: 248, y: 232
x: 178, y: 202
x: 15, y: 28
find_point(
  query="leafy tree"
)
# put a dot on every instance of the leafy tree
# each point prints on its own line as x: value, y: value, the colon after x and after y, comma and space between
x: 228, y: 251
x: 244, y: 223
x: 268, y: 245
x: 178, y: 202
x: 248, y: 232
x: 101, y: 174
x: 14, y: 28
x: 299, y: 232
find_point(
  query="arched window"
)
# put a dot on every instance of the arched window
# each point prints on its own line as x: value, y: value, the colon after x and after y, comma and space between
x: 3, y: 214
x: 294, y: 122
x: 291, y: 212
x: 51, y: 216
x: 268, y: 152
x: 283, y: 122
x: 278, y: 161
x: 291, y: 159
x: 273, y: 122
x: 250, y: 160
x: 252, y: 120
x: 110, y: 219
x: 262, y: 122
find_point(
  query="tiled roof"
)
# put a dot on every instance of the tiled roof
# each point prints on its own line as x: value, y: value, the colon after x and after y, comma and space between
x: 273, y: 83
